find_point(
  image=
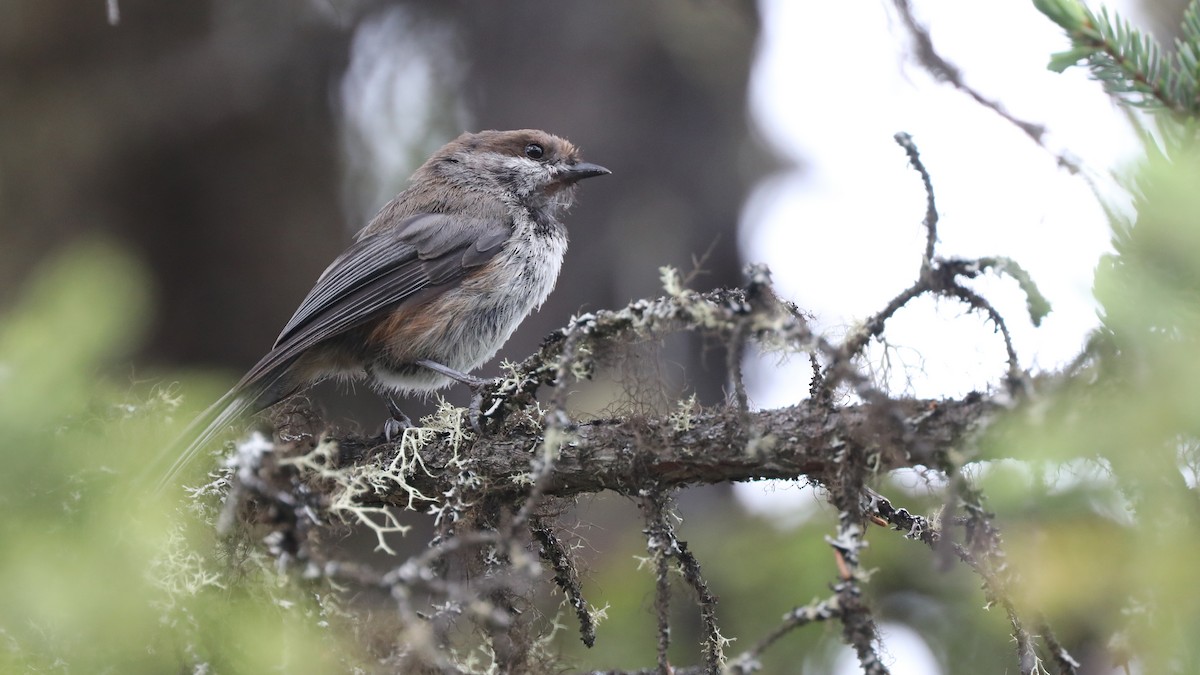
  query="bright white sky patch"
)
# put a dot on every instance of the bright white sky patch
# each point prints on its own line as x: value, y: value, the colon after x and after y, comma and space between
x: 832, y: 84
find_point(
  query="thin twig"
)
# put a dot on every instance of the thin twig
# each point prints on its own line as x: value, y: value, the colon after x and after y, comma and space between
x: 913, y: 526
x: 713, y: 644
x: 699, y: 263
x: 663, y: 545
x: 565, y: 575
x: 945, y: 71
x: 733, y: 366
x: 748, y: 661
x: 858, y: 624
x: 995, y: 572
x: 873, y: 326
x: 1067, y: 665
x: 941, y: 277
x: 658, y: 544
x: 931, y: 212
x: 557, y: 426
x: 1016, y: 377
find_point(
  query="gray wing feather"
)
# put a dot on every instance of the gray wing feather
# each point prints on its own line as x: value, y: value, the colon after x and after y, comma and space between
x: 379, y: 272
x: 395, y: 257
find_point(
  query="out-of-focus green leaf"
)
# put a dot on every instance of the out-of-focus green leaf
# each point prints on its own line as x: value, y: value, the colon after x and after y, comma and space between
x: 1112, y: 551
x: 96, y: 575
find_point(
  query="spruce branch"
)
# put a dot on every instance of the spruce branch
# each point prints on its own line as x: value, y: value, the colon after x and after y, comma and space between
x: 1131, y: 64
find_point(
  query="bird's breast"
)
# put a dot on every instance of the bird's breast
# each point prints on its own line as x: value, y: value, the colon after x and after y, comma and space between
x: 467, y: 323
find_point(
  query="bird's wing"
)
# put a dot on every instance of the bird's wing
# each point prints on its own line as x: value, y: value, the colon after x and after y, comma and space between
x: 380, y: 271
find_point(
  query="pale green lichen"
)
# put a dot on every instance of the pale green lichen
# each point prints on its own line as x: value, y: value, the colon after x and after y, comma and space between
x: 685, y: 414
x: 672, y: 283
x: 362, y: 482
x: 180, y: 572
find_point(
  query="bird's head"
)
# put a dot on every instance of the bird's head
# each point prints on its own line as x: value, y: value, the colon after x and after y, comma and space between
x: 533, y: 168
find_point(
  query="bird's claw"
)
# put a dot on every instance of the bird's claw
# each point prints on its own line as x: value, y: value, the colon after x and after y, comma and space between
x: 396, y: 424
x: 476, y: 415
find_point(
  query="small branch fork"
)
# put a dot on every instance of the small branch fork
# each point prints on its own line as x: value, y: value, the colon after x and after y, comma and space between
x: 941, y: 277
x: 986, y: 557
x: 565, y: 576
x: 663, y: 545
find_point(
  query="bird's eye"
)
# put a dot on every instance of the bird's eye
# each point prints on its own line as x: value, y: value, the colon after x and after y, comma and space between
x: 534, y: 151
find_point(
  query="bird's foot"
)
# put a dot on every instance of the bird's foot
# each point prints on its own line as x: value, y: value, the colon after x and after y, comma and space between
x: 477, y: 415
x: 396, y: 423
x: 456, y: 375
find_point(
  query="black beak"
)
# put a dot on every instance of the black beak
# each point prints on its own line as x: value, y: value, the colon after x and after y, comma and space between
x: 577, y: 172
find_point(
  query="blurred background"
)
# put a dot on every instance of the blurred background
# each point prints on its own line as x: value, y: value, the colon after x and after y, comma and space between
x: 236, y: 147
x: 233, y: 148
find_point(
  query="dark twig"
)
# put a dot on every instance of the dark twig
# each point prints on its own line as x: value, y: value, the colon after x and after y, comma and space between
x: 563, y: 563
x: 556, y: 433
x: 858, y: 624
x: 415, y: 574
x: 753, y: 310
x: 941, y: 277
x: 1016, y: 376
x: 662, y: 612
x: 873, y: 326
x: 983, y: 537
x: 858, y: 627
x: 931, y: 212
x: 1067, y: 665
x: 748, y: 661
x: 816, y: 386
x: 992, y: 568
x: 995, y: 590
x: 945, y: 71
x: 733, y: 366
x: 913, y: 526
x: 663, y: 545
x: 557, y: 429
x: 714, y: 644
x: 660, y: 544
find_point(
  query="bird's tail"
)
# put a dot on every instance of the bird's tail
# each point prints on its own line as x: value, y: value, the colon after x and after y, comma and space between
x: 242, y: 400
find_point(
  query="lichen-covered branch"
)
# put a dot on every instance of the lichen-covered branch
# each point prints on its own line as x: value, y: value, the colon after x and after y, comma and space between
x: 565, y: 576
x: 803, y: 440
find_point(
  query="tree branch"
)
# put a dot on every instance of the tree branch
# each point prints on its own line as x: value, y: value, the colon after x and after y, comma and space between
x: 803, y: 440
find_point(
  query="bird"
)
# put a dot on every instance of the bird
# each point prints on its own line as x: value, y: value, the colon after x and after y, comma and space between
x: 432, y: 286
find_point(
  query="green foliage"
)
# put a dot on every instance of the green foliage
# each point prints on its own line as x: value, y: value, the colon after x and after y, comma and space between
x: 1130, y: 63
x: 1107, y: 543
x: 95, y: 574
x: 1100, y: 514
